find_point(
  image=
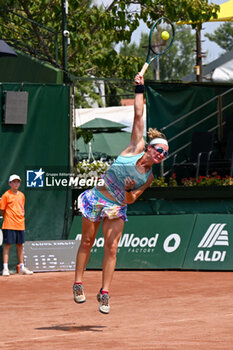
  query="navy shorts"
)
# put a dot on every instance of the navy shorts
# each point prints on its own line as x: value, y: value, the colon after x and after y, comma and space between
x: 13, y: 236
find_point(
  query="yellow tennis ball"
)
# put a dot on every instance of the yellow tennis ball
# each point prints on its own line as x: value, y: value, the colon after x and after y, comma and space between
x: 165, y: 35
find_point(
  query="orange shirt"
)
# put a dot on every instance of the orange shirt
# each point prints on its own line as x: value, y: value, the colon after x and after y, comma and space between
x: 13, y: 206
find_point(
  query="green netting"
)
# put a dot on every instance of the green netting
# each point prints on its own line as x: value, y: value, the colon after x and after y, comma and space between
x: 43, y: 141
x: 25, y: 68
x: 168, y: 102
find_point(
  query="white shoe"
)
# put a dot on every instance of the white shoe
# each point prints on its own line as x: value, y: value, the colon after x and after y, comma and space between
x: 78, y: 291
x: 5, y: 272
x: 103, y: 299
x: 25, y: 271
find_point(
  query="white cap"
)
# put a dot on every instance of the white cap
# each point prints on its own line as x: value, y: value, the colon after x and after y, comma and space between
x: 14, y: 177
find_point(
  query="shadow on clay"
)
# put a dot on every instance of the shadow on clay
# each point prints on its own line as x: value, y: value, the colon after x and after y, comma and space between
x: 72, y: 328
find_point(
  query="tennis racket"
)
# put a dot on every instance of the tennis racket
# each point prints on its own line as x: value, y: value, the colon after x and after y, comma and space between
x: 161, y: 37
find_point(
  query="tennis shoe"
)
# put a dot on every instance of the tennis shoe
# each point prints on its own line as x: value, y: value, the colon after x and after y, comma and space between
x: 5, y: 272
x: 25, y: 271
x: 103, y: 299
x: 78, y: 291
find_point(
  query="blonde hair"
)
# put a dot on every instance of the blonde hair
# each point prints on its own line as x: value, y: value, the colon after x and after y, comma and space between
x: 154, y: 133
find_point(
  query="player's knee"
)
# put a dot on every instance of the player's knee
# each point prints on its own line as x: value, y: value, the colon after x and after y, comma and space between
x: 87, y: 244
x: 111, y: 249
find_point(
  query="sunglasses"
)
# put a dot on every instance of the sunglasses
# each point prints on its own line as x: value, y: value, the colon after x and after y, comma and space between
x: 160, y: 150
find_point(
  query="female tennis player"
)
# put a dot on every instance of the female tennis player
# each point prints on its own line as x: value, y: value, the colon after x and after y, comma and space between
x: 124, y: 182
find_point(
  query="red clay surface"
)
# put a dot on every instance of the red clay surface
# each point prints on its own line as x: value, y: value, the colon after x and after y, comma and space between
x: 149, y: 310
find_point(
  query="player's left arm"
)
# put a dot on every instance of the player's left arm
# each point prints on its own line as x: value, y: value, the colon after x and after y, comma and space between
x: 131, y: 196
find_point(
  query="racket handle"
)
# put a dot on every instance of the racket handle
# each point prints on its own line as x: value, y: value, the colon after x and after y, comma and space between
x: 144, y: 68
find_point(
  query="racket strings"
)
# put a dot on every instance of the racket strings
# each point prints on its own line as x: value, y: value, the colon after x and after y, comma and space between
x: 161, y: 39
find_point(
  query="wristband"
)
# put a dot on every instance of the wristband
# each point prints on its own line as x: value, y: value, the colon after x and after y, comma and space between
x: 139, y: 89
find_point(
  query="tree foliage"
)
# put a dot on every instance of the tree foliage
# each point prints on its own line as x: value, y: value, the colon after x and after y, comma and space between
x: 223, y: 36
x: 94, y: 33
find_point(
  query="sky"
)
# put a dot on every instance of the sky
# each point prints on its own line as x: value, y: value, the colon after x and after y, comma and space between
x: 212, y: 50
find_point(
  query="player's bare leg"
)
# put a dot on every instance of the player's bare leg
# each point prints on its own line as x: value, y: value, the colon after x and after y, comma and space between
x: 112, y: 231
x: 89, y: 231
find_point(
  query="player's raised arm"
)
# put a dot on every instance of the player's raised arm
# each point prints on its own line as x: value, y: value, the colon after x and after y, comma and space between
x: 137, y: 142
x: 138, y: 124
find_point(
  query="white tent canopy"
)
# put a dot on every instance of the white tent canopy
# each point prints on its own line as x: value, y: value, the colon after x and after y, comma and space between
x: 223, y: 73
x: 123, y: 115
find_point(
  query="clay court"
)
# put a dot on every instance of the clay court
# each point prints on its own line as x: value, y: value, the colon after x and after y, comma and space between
x: 149, y: 310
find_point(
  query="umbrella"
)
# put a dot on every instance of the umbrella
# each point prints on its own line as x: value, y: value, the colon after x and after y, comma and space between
x: 100, y: 125
x: 6, y: 50
x: 108, y: 139
x: 225, y: 14
x: 105, y: 144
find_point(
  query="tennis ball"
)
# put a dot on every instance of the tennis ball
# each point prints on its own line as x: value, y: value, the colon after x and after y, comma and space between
x: 165, y: 35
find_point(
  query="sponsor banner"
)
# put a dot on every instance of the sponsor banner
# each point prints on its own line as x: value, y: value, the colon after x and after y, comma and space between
x: 147, y: 242
x: 211, y: 247
x: 198, y: 242
x: 51, y: 255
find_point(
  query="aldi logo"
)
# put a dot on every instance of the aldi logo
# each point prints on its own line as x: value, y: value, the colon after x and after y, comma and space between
x: 35, y: 178
x: 215, y: 236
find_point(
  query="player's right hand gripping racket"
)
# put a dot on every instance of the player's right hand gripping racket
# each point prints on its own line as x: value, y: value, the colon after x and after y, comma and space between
x: 161, y: 37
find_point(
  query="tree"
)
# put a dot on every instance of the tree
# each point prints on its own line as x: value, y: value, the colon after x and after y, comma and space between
x: 223, y: 36
x: 173, y: 65
x: 94, y: 32
x: 180, y: 59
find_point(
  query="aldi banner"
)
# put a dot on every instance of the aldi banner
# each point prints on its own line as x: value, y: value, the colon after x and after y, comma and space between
x: 147, y: 242
x: 211, y: 244
x: 193, y: 242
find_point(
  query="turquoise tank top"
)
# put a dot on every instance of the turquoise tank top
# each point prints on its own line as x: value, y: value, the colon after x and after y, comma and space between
x: 124, y: 166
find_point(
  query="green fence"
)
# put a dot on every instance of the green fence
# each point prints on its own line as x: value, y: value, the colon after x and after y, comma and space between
x: 29, y: 69
x: 166, y: 103
x: 197, y: 242
x: 42, y: 142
